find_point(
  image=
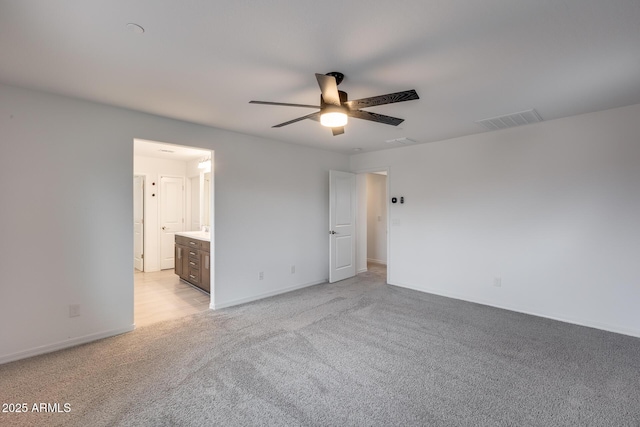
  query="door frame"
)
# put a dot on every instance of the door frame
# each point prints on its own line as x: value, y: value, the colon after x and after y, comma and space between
x: 147, y: 224
x: 144, y: 223
x: 359, y: 172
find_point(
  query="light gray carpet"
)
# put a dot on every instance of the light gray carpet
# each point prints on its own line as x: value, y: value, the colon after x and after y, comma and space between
x: 356, y: 352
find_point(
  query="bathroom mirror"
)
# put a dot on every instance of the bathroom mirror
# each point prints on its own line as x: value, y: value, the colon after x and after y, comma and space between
x: 206, y: 199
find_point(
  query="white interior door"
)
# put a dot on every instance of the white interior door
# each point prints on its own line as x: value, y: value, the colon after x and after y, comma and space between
x: 138, y: 222
x: 171, y: 217
x: 342, y: 219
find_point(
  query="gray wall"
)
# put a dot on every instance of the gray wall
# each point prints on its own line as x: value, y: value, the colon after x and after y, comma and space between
x: 67, y: 203
x: 551, y: 209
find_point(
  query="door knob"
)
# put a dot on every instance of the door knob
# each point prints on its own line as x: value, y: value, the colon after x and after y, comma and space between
x: 164, y: 228
x: 332, y: 232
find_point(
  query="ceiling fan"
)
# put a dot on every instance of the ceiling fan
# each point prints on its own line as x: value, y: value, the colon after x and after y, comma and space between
x: 335, y: 107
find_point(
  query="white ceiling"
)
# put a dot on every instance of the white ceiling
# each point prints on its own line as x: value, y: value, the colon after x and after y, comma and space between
x: 203, y: 61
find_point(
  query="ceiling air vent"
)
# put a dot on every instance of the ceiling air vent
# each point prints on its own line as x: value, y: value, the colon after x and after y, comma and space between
x: 510, y: 120
x: 400, y: 141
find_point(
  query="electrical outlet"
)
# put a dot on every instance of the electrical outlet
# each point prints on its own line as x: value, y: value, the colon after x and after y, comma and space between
x: 293, y: 269
x: 74, y: 310
x: 261, y: 275
x: 497, y: 282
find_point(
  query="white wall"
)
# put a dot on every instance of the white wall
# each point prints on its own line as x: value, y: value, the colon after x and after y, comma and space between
x: 553, y: 209
x: 153, y: 169
x: 376, y: 218
x: 66, y: 225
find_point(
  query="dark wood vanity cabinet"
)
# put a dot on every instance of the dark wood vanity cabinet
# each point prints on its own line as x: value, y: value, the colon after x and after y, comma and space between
x: 193, y: 261
x: 205, y: 268
x: 180, y: 260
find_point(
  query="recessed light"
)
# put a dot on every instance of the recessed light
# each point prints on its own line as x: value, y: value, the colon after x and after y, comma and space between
x: 166, y: 151
x: 356, y: 149
x: 135, y: 28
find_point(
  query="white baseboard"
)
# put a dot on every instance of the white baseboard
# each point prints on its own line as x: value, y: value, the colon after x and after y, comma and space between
x: 579, y: 322
x: 376, y: 261
x: 63, y: 344
x: 239, y: 301
x: 362, y: 270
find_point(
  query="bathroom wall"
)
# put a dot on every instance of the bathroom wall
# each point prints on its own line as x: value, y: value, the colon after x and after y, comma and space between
x: 153, y: 169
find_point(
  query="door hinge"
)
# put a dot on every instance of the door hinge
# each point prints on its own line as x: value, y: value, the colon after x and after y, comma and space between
x: 141, y: 256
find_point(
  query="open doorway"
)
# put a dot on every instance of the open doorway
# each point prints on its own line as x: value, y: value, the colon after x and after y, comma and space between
x: 176, y: 183
x: 373, y: 222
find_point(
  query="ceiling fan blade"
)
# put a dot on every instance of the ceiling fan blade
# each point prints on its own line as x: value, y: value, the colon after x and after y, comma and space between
x: 390, y: 98
x: 337, y: 131
x: 308, y: 116
x: 329, y: 89
x: 284, y: 104
x: 374, y: 117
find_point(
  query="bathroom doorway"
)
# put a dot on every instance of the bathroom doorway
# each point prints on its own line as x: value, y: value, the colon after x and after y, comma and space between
x: 176, y: 183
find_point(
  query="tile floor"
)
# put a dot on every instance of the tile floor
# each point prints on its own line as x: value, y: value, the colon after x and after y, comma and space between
x: 160, y: 295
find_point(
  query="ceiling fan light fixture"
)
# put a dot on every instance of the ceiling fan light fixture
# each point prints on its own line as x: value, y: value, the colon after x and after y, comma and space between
x: 333, y: 117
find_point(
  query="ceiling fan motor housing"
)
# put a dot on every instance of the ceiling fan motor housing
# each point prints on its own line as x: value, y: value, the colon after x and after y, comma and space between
x: 338, y: 76
x: 343, y: 99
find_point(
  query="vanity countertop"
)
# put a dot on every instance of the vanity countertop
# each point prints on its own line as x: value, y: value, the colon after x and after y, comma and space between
x: 200, y: 235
